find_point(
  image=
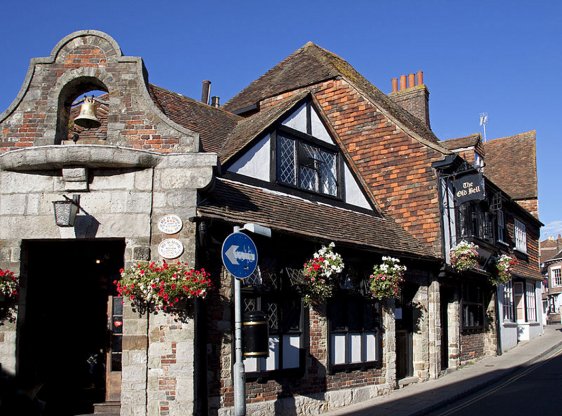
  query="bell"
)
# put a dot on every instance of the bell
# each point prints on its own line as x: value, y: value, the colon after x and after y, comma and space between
x: 87, y: 117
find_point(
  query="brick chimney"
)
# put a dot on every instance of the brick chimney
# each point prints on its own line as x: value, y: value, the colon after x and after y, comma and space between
x: 412, y: 95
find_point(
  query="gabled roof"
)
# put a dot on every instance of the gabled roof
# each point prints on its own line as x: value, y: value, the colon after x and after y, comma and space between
x: 461, y: 142
x: 511, y: 164
x: 310, y: 65
x: 238, y: 202
x: 213, y: 124
x: 249, y: 128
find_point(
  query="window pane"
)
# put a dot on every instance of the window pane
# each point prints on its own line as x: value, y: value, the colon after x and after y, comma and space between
x: 355, y: 347
x: 371, y: 346
x: 328, y: 173
x: 337, y: 353
x: 291, y: 351
x: 271, y: 362
x: 286, y: 162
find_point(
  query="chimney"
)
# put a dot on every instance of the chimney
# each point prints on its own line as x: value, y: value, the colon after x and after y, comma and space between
x: 414, y: 97
x: 205, y: 91
x: 215, y: 101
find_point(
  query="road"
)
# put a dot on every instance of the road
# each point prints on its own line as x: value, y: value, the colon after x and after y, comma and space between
x: 535, y: 390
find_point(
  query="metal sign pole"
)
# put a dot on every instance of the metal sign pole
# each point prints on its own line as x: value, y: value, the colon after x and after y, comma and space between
x: 239, y: 370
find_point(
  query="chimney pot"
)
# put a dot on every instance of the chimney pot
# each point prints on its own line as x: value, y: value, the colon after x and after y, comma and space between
x: 420, y: 77
x: 205, y: 91
x: 394, y: 84
x: 215, y: 101
x: 411, y: 80
x: 402, y: 82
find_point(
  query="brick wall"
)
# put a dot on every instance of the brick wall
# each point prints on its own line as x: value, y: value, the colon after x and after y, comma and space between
x: 83, y: 61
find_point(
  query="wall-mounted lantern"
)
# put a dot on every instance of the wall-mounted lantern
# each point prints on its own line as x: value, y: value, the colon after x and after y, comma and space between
x: 66, y: 210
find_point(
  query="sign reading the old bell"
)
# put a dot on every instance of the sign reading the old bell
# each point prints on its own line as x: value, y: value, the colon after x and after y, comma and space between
x: 469, y: 188
x: 87, y: 117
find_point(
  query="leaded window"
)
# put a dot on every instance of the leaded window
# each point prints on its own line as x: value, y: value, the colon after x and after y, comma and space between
x: 307, y: 166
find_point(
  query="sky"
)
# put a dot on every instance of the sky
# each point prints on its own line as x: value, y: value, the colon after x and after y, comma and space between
x: 503, y: 58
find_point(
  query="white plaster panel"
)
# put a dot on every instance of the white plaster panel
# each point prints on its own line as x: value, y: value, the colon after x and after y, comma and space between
x: 297, y: 119
x: 256, y: 162
x: 318, y: 129
x: 353, y: 193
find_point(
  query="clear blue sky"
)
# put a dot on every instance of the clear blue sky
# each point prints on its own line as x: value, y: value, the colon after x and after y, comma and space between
x: 499, y: 57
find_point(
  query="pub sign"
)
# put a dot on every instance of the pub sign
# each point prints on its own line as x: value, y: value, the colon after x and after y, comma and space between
x: 469, y: 188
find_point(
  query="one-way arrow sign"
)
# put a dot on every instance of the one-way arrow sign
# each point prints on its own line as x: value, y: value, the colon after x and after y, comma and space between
x: 239, y: 255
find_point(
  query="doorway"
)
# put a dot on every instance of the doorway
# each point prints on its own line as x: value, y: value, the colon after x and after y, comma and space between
x: 405, y: 326
x: 63, y: 334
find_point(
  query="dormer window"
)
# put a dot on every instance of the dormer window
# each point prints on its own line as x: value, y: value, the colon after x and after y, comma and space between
x: 306, y: 163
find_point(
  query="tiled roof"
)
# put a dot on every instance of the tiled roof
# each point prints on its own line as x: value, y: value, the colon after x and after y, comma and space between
x: 212, y: 124
x: 511, y: 164
x: 237, y: 202
x: 461, y: 142
x: 310, y: 65
x: 247, y: 129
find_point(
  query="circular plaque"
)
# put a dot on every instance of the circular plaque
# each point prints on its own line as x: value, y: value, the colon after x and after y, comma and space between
x: 170, y: 248
x: 170, y: 224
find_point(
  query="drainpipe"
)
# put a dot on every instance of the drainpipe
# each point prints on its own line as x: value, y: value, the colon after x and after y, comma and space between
x: 498, y: 324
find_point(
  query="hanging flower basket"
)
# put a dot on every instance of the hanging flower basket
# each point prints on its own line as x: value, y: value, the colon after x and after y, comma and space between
x: 162, y: 286
x: 387, y: 278
x: 9, y: 294
x: 464, y: 256
x: 503, y: 269
x: 320, y: 275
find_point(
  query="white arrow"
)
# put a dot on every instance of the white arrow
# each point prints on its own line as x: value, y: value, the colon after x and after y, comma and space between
x: 233, y: 255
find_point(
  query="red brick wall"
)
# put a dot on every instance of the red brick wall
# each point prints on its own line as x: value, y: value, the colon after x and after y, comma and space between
x: 472, y: 346
x: 396, y: 166
x: 87, y: 62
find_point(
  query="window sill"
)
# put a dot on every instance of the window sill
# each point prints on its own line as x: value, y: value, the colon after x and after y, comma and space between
x: 346, y: 368
x: 509, y: 324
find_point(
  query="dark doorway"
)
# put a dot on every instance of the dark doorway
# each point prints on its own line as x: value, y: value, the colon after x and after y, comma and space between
x: 405, y: 323
x: 446, y: 298
x: 63, y: 327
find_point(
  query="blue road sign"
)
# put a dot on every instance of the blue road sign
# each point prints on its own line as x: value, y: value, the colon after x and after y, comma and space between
x: 239, y: 255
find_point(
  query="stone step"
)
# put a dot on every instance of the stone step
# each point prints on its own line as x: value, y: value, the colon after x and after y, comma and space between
x: 107, y: 408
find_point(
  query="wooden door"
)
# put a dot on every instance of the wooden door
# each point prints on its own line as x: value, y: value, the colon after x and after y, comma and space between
x: 113, y: 356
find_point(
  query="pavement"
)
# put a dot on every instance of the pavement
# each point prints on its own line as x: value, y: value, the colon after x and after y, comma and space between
x: 421, y: 398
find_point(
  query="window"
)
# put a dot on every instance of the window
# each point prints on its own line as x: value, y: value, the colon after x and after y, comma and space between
x: 556, y: 277
x: 531, y: 304
x: 501, y: 226
x: 354, y: 335
x: 268, y: 292
x: 508, y: 302
x: 472, y: 307
x: 306, y: 165
x: 475, y: 221
x: 520, y: 236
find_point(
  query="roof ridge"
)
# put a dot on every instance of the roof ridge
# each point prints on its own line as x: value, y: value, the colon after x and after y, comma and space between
x: 194, y: 101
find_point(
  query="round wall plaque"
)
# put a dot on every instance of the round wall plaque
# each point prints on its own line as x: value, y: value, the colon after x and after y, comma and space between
x: 170, y: 224
x: 170, y: 248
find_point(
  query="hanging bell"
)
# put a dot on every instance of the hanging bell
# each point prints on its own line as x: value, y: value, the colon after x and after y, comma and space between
x: 87, y: 117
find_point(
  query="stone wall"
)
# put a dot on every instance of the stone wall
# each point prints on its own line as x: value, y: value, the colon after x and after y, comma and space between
x: 127, y: 178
